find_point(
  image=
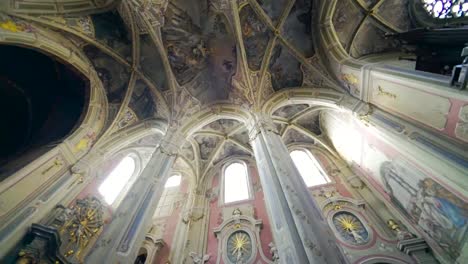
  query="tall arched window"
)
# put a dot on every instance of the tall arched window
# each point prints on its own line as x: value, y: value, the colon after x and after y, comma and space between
x: 117, y: 179
x: 169, y: 196
x: 309, y: 168
x: 236, y: 183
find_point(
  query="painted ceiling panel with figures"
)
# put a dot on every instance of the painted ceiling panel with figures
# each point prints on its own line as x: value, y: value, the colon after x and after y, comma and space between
x: 298, y: 123
x: 285, y: 69
x: 201, y: 48
x: 298, y: 27
x: 215, y: 143
x: 151, y: 63
x: 255, y: 35
x: 274, y: 8
x: 364, y: 27
x: 110, y: 30
x: 114, y: 76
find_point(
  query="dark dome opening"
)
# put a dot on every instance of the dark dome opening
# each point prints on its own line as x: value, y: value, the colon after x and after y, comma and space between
x: 42, y: 99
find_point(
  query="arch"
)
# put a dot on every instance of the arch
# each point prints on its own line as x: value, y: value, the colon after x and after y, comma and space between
x: 312, y: 96
x: 173, y: 181
x: 214, y: 113
x: 131, y: 134
x: 142, y: 256
x: 25, y: 35
x: 112, y: 188
x: 376, y: 259
x: 235, y: 173
x: 43, y: 108
x: 215, y: 169
x: 58, y: 7
x: 302, y: 155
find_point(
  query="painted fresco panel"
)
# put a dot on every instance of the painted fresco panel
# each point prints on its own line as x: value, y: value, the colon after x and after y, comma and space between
x: 407, y: 101
x: 439, y: 212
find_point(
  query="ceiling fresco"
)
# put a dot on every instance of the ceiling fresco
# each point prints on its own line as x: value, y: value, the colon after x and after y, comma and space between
x: 214, y: 143
x: 369, y: 30
x: 311, y: 122
x: 298, y: 123
x: 396, y: 13
x: 201, y: 49
x: 362, y: 26
x: 297, y: 28
x: 206, y: 145
x: 224, y: 126
x: 255, y: 35
x: 187, y: 53
x: 143, y: 102
x: 110, y: 30
x: 229, y: 150
x: 292, y: 136
x: 274, y: 8
x: 151, y: 63
x: 114, y: 76
x: 285, y: 69
x: 346, y: 20
x: 290, y: 110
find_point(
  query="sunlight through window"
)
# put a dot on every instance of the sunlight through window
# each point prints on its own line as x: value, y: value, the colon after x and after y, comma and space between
x: 173, y: 181
x: 444, y: 9
x: 117, y: 179
x: 169, y: 196
x: 236, y: 187
x: 308, y: 168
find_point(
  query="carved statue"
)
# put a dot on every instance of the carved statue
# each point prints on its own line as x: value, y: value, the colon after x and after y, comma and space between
x: 400, y: 233
x: 199, y: 258
x: 274, y: 252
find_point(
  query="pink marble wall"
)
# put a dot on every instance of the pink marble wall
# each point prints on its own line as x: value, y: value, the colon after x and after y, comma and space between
x: 259, y: 212
x: 430, y: 191
x: 171, y: 223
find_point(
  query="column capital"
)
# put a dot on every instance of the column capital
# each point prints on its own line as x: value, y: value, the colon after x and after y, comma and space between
x: 172, y: 141
x: 260, y: 123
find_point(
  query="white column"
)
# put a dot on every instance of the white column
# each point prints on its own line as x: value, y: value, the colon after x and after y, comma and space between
x: 123, y: 236
x: 300, y: 232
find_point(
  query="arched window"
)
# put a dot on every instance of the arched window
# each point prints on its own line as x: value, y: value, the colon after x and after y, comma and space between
x: 443, y: 9
x: 169, y: 196
x: 173, y: 181
x: 236, y: 183
x: 309, y: 168
x: 117, y: 179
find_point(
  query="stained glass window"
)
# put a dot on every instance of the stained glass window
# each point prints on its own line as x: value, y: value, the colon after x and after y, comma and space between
x: 443, y: 9
x: 309, y: 168
x: 236, y: 185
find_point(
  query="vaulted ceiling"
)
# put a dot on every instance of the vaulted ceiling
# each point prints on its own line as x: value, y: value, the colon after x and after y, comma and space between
x: 361, y: 25
x: 220, y: 50
x: 169, y: 58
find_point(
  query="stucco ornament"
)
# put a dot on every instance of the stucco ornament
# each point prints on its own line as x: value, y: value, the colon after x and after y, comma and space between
x: 199, y: 258
x: 400, y: 232
x: 350, y: 228
x: 239, y: 246
x: 274, y: 252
